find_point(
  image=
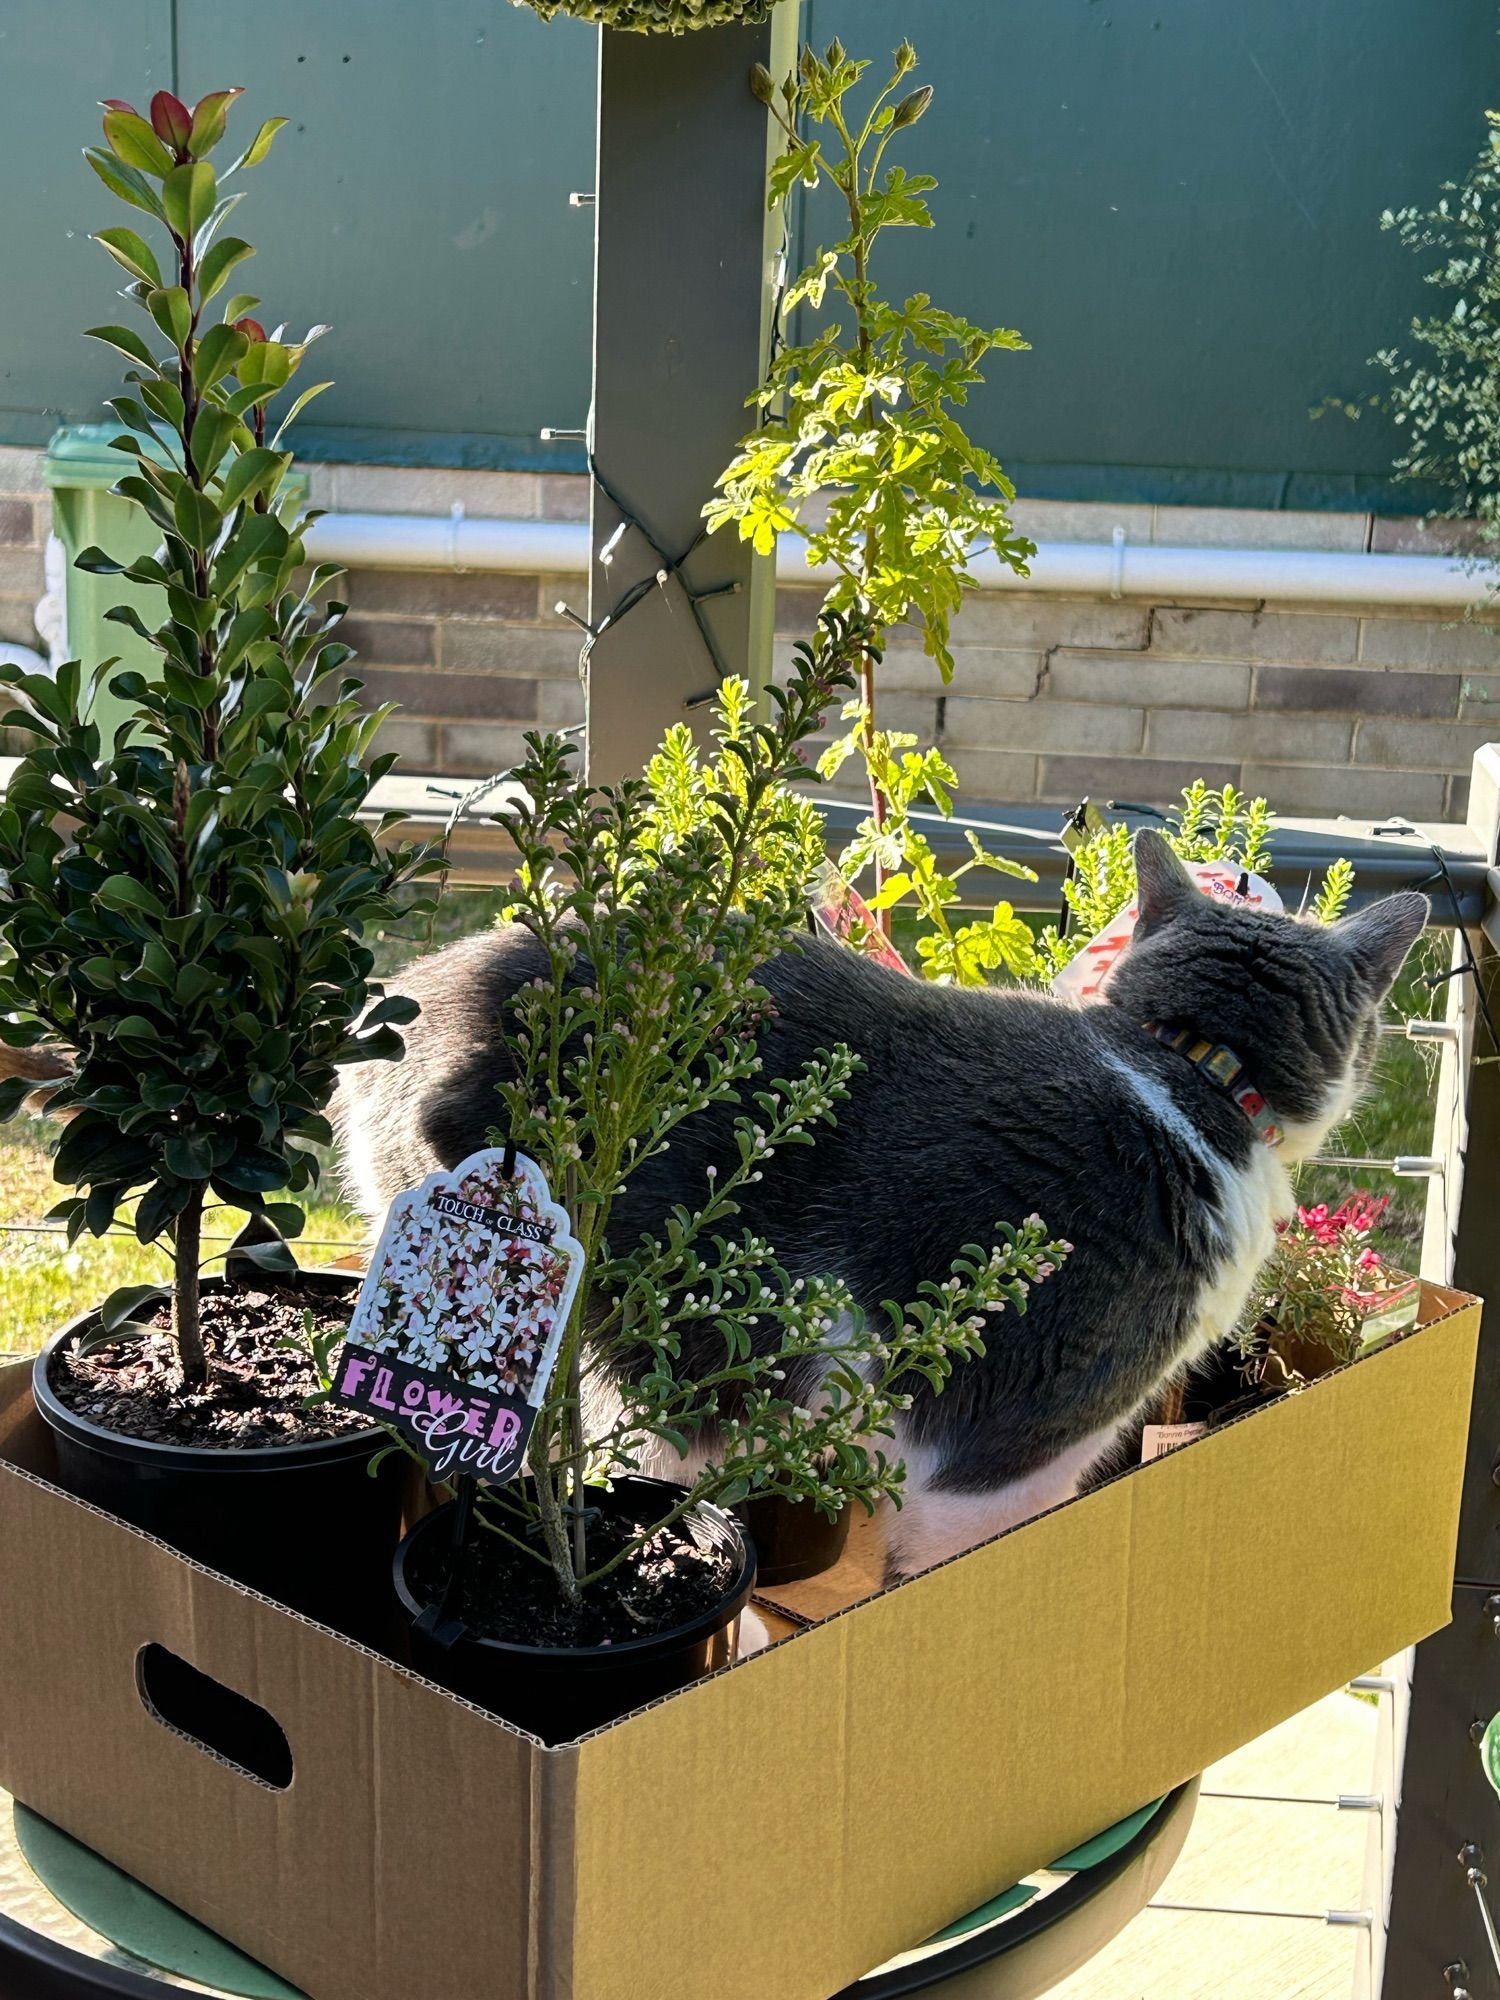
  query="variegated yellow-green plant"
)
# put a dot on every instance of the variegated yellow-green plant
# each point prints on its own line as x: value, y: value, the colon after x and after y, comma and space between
x: 860, y: 450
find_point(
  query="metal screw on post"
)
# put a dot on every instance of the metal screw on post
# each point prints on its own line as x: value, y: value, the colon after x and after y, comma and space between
x: 1471, y: 1860
x: 1457, y: 1976
x: 1492, y: 1612
x: 1430, y: 1031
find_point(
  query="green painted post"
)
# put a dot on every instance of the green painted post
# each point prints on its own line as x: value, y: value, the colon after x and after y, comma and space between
x: 684, y: 263
x: 80, y: 468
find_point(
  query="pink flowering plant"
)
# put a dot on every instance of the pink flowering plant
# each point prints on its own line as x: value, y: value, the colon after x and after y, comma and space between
x: 1327, y: 1294
x: 655, y: 905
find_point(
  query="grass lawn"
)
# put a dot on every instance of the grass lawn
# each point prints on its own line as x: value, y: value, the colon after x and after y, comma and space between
x: 44, y: 1283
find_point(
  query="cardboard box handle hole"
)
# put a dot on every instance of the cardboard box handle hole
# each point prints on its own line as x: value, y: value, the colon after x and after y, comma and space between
x: 220, y: 1720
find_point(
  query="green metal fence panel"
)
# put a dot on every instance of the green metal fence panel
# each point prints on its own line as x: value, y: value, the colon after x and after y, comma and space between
x: 1177, y: 202
x: 81, y: 469
x: 56, y: 58
x: 419, y: 202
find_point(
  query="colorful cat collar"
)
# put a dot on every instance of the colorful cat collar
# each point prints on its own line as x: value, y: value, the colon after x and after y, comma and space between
x: 1222, y: 1067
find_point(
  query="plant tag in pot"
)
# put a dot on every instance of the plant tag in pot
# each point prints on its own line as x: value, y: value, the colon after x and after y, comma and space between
x: 456, y: 1332
x: 845, y: 915
x: 1158, y: 1439
x: 1083, y: 978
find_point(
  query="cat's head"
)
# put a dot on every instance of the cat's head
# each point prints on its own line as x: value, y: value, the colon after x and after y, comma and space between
x: 1297, y: 1001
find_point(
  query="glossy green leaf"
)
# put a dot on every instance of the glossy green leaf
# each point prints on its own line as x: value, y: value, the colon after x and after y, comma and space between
x: 126, y: 340
x: 260, y: 145
x: 216, y: 354
x: 168, y: 305
x: 254, y: 471
x: 126, y: 1303
x: 97, y: 562
x: 188, y: 195
x: 134, y: 143
x: 297, y: 408
x: 213, y: 431
x: 217, y: 264
x: 123, y: 892
x: 273, y: 1258
x: 198, y: 519
x: 209, y: 119
x: 126, y: 182
x: 132, y: 251
x: 189, y: 1157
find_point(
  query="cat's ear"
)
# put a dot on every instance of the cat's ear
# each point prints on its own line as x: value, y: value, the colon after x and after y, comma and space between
x: 1378, y: 938
x: 1164, y: 885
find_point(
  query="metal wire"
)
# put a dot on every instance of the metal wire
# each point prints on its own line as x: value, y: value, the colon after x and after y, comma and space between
x: 60, y: 1229
x: 1478, y: 1881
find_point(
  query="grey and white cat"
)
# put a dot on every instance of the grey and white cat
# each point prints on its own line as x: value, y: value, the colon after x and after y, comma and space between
x: 975, y: 1107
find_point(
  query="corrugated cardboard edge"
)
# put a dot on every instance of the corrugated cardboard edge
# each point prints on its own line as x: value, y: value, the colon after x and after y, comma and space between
x: 41, y: 1764
x: 813, y: 1789
x: 554, y: 1873
x: 868, y: 1857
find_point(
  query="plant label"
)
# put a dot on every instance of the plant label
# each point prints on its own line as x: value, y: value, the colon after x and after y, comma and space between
x: 456, y: 1332
x: 844, y: 914
x: 1158, y: 1439
x: 1083, y: 978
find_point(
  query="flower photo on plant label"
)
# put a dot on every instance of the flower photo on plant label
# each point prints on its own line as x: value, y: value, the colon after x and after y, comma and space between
x: 473, y: 1276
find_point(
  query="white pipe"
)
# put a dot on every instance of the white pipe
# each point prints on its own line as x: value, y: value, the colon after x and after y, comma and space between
x: 435, y: 541
x: 1075, y: 569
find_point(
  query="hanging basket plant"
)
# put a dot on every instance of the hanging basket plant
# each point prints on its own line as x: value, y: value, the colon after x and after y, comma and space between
x: 654, y: 17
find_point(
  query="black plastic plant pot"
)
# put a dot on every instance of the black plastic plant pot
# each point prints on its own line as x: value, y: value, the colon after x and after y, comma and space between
x: 308, y: 1524
x: 560, y: 1692
x: 792, y: 1541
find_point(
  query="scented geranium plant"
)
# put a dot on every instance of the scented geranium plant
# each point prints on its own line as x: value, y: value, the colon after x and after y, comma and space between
x: 655, y: 906
x: 184, y: 905
x: 861, y: 450
x: 1208, y: 825
x: 1326, y: 1295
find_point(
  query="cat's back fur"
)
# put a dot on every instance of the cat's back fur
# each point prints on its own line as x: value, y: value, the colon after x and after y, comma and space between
x: 975, y: 1107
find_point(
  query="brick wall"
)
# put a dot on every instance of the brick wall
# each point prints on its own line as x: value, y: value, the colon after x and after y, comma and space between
x: 1334, y: 710
x: 1322, y: 712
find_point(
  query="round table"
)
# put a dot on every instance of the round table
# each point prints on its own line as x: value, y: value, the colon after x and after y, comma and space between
x: 74, y: 1927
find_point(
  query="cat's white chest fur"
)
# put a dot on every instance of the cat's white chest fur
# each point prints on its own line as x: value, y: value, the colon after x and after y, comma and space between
x: 1250, y: 1199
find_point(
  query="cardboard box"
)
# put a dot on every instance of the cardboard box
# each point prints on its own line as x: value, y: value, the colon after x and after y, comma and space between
x: 842, y: 1794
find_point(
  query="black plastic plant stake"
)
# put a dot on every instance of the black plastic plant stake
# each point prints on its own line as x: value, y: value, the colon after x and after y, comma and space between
x: 436, y: 1622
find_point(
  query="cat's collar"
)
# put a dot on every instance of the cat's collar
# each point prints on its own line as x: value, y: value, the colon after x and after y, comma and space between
x: 1222, y: 1067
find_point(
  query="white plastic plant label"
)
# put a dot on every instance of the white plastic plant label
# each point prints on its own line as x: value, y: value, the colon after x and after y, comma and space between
x: 845, y: 916
x: 1158, y: 1439
x: 456, y: 1332
x: 1084, y: 977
